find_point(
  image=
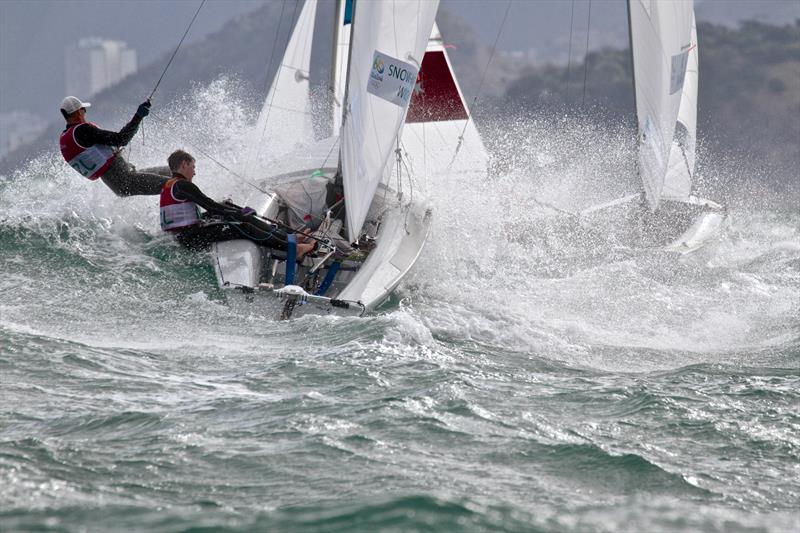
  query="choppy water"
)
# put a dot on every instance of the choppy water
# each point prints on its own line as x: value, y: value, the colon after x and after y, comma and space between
x: 526, y: 377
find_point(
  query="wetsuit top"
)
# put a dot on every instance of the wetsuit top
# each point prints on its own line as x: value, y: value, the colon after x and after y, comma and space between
x: 88, y: 149
x: 179, y: 201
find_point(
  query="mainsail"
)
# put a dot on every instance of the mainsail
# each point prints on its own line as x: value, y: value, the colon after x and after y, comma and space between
x: 388, y: 40
x: 678, y: 181
x: 661, y: 42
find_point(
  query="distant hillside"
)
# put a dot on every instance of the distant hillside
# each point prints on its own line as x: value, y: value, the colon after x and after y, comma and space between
x: 750, y: 91
x: 749, y: 101
x: 241, y: 49
x: 749, y: 96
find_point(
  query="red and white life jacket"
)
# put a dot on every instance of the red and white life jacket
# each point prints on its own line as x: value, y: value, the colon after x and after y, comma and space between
x: 176, y: 214
x: 91, y: 162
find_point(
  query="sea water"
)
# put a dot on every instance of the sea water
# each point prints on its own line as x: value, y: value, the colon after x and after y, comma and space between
x: 529, y: 375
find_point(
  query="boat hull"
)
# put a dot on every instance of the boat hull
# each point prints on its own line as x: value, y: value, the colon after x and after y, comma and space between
x: 256, y: 274
x: 706, y: 227
x: 678, y: 226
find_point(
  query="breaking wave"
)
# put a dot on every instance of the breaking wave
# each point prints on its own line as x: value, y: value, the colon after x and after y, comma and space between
x: 530, y: 374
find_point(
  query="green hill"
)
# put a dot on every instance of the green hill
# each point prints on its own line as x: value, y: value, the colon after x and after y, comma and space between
x: 749, y: 93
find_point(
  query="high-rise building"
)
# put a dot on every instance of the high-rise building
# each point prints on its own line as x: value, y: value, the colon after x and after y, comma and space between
x: 94, y: 64
x: 18, y: 128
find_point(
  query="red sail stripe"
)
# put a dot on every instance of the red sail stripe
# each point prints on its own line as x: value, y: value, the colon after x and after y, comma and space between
x: 436, y: 96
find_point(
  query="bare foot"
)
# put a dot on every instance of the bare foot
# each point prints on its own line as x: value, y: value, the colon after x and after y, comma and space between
x: 303, y: 248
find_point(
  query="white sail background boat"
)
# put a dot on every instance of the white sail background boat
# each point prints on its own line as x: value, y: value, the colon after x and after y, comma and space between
x: 664, y: 47
x: 286, y: 117
x: 388, y: 230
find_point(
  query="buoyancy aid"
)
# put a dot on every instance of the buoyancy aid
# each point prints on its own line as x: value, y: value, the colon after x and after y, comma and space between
x: 176, y: 214
x: 91, y: 162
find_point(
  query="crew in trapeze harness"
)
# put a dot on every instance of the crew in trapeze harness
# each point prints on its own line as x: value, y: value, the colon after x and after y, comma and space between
x: 180, y: 199
x: 95, y: 153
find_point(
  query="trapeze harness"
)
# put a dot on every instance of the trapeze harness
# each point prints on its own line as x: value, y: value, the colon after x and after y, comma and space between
x: 176, y: 214
x: 90, y: 162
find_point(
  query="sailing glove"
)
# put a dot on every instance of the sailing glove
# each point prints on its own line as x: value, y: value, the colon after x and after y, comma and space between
x: 143, y: 109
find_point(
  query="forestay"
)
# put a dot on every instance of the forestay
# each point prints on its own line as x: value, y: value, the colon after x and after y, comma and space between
x: 661, y: 40
x: 388, y: 42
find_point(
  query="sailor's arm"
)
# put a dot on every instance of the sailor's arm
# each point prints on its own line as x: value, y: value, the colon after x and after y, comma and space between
x: 185, y: 190
x: 89, y: 135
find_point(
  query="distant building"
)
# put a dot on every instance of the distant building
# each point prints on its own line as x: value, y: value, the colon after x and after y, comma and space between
x: 94, y: 64
x: 18, y: 128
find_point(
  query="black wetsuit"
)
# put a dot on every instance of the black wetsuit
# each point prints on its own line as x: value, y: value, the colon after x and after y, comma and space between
x: 122, y: 177
x: 227, y: 223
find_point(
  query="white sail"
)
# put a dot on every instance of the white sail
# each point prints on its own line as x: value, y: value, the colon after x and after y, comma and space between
x: 286, y: 118
x: 661, y: 39
x: 678, y: 181
x: 343, y: 21
x: 387, y: 45
x: 437, y: 116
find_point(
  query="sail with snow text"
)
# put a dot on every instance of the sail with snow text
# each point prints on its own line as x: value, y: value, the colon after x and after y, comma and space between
x: 398, y: 31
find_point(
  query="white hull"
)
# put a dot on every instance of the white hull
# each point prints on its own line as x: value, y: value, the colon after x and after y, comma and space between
x: 677, y: 227
x: 706, y: 227
x: 398, y: 233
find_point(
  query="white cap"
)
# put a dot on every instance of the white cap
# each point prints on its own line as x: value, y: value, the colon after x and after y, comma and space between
x: 70, y: 104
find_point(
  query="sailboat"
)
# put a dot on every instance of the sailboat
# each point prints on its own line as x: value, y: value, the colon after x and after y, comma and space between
x: 351, y: 190
x: 664, y: 48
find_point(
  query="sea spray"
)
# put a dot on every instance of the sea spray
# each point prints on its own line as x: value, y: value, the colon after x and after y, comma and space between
x: 529, y: 375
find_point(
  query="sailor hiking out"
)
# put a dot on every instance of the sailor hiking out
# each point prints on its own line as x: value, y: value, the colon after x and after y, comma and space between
x: 94, y: 153
x: 180, y: 199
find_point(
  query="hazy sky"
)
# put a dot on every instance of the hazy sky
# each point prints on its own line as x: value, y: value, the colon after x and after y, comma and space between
x: 34, y: 33
x: 532, y: 22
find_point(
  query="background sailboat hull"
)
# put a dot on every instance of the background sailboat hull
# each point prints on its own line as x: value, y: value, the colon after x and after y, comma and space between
x: 706, y: 227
